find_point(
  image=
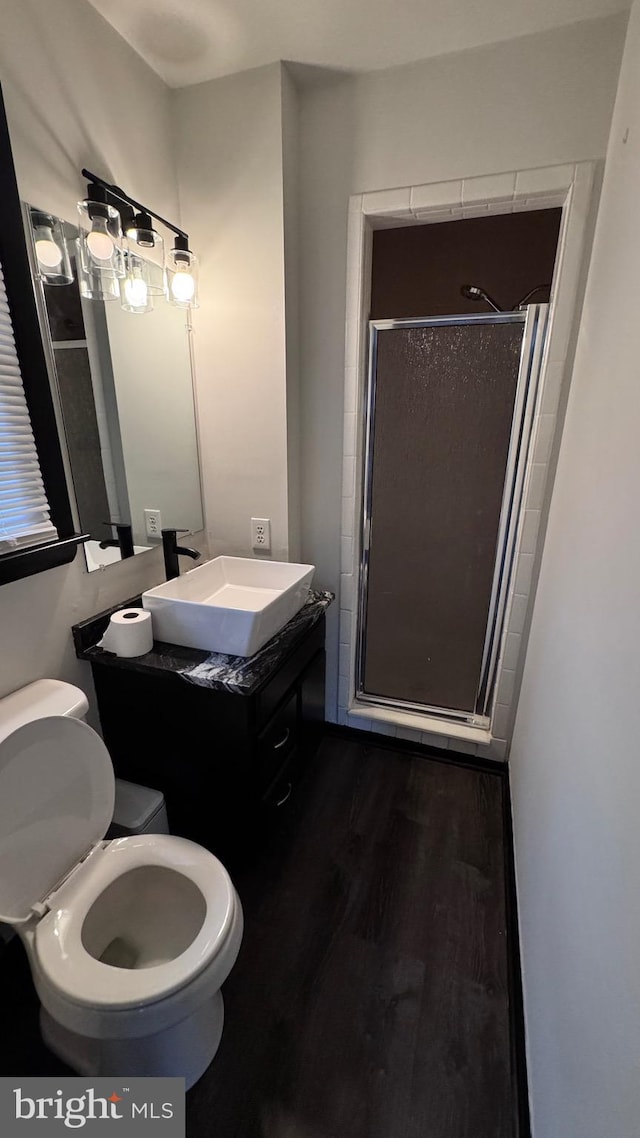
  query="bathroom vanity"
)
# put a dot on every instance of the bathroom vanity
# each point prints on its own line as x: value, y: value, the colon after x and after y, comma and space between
x: 223, y: 737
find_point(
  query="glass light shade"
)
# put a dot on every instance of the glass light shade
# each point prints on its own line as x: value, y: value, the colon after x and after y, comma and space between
x: 135, y: 293
x: 143, y: 240
x: 52, y: 253
x: 94, y: 284
x: 182, y: 278
x: 100, y: 239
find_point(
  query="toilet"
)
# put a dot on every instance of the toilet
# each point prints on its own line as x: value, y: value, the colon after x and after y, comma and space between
x: 129, y: 940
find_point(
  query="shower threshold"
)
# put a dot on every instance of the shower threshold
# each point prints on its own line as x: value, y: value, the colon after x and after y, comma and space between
x: 422, y: 721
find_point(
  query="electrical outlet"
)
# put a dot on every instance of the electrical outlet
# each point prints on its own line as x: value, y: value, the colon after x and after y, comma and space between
x: 261, y: 534
x: 153, y: 525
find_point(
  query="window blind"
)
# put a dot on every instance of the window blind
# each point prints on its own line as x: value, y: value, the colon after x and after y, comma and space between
x: 24, y: 510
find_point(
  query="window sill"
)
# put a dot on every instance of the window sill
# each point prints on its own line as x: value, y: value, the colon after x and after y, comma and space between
x: 25, y: 562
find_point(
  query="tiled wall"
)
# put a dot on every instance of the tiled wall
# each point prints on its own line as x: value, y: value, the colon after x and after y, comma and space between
x: 566, y: 186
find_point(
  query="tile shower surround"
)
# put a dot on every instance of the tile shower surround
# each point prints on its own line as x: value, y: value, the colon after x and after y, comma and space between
x: 567, y: 186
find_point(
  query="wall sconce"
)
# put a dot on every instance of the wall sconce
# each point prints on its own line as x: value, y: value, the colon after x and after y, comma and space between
x: 182, y: 275
x: 52, y: 253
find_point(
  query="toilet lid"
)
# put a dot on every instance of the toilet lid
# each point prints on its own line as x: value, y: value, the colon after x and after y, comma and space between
x: 57, y: 791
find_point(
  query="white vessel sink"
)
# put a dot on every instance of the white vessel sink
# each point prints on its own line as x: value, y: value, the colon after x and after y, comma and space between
x: 230, y: 604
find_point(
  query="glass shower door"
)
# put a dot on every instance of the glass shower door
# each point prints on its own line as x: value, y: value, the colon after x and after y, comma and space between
x: 449, y: 410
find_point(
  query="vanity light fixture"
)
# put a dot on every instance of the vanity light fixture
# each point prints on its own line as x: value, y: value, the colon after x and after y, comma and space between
x: 52, y: 253
x: 182, y: 274
x: 133, y: 267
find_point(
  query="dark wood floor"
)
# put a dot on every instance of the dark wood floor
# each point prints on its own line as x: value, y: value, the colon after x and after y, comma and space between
x: 370, y: 997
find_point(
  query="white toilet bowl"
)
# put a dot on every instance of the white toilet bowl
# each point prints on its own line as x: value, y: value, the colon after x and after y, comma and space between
x: 129, y: 940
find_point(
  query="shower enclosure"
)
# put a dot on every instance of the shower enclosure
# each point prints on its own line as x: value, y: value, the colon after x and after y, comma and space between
x: 449, y: 415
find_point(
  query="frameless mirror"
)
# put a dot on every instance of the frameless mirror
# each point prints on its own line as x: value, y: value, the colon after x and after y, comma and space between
x: 124, y: 384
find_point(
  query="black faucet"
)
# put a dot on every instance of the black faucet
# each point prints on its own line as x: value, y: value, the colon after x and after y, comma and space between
x: 124, y: 541
x: 172, y: 551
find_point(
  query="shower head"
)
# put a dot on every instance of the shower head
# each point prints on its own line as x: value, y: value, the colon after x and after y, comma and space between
x: 473, y: 292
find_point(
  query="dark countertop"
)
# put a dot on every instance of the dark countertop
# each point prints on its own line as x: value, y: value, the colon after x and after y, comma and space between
x: 235, y: 674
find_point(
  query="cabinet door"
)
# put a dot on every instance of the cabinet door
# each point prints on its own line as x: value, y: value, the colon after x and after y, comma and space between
x: 277, y: 741
x: 270, y: 697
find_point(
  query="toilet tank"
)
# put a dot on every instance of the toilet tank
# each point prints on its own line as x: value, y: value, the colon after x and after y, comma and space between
x: 36, y: 700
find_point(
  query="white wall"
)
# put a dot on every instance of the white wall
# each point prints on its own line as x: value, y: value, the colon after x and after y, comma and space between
x: 76, y: 96
x: 575, y: 769
x: 536, y: 101
x: 230, y: 162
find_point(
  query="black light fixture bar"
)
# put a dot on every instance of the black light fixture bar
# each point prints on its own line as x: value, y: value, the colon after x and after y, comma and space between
x: 116, y: 192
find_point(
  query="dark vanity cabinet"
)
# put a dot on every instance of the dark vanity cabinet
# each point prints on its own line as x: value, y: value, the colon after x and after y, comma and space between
x: 226, y: 744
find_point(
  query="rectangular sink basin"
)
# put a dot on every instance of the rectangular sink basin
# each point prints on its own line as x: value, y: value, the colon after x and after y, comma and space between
x: 230, y: 604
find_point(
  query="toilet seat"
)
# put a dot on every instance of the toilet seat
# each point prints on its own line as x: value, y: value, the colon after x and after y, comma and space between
x: 82, y: 979
x: 57, y: 790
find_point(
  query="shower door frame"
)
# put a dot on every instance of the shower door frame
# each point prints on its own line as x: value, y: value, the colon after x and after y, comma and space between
x: 535, y: 320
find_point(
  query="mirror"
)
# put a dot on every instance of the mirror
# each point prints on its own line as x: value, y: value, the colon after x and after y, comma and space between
x: 125, y: 389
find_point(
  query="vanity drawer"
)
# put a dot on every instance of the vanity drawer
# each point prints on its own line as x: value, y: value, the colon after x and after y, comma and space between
x: 278, y: 794
x: 277, y: 740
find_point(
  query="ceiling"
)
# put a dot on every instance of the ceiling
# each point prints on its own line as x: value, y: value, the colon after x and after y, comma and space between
x: 188, y: 41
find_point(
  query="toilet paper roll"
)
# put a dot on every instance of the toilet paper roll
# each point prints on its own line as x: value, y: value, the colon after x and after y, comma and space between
x: 129, y: 633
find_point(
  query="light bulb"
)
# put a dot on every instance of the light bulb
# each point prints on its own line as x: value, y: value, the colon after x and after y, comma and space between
x: 183, y: 286
x: 99, y: 242
x: 136, y: 292
x: 48, y: 253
